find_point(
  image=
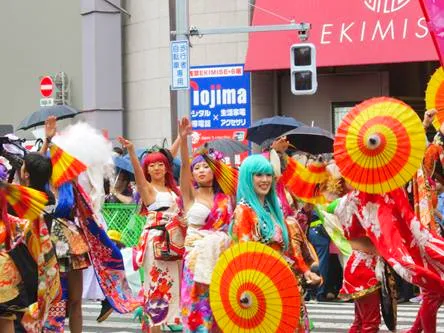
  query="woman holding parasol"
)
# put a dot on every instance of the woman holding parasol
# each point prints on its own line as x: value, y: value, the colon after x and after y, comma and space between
x: 377, y: 218
x: 258, y: 215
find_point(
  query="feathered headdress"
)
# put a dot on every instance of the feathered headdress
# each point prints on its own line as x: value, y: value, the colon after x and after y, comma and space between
x: 97, y: 157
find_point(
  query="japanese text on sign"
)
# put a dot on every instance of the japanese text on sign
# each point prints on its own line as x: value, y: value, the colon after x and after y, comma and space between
x: 180, y: 65
x: 220, y: 97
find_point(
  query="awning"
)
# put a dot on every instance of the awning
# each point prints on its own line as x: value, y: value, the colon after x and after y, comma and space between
x: 345, y: 32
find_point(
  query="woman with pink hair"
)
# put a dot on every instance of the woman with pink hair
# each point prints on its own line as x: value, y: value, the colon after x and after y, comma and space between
x: 160, y: 247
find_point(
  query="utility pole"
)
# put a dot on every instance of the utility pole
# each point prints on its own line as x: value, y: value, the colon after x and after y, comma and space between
x: 183, y: 32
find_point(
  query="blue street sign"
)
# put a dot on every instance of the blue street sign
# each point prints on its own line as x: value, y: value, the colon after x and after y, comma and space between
x: 220, y: 97
x: 180, y: 65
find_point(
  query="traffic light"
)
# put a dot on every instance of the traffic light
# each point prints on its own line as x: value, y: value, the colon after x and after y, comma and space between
x: 303, y: 69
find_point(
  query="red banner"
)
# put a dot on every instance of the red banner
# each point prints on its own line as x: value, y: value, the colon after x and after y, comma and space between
x: 345, y: 32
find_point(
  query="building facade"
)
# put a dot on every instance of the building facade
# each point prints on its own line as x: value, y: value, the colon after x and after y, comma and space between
x: 38, y: 38
x: 119, y: 64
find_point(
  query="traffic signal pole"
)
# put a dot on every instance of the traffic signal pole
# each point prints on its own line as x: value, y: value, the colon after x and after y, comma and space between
x: 183, y: 32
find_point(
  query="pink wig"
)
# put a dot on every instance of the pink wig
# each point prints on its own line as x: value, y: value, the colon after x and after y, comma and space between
x: 169, y: 179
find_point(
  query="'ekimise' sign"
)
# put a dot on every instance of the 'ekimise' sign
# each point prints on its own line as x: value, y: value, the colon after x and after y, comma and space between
x: 345, y: 32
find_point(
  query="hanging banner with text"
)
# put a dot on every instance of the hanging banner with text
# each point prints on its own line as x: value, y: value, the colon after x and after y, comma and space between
x: 347, y: 32
x: 220, y: 104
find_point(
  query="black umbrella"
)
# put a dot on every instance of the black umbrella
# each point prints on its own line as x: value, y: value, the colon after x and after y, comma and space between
x: 228, y: 147
x: 273, y: 127
x: 38, y: 117
x: 313, y: 140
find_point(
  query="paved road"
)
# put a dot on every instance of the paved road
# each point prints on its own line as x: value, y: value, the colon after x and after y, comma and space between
x: 337, y: 317
x: 327, y: 318
x: 115, y: 323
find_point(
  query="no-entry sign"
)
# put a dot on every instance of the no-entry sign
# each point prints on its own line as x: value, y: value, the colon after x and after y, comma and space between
x: 46, y: 86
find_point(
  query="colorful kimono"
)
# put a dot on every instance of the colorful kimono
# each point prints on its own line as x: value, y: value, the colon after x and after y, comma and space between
x: 105, y: 257
x: 10, y: 280
x: 434, y: 160
x: 161, y: 289
x: 411, y: 249
x: 359, y: 271
x: 300, y: 254
x: 29, y: 275
x: 37, y: 239
x: 203, y: 247
x: 72, y: 253
x: 70, y: 245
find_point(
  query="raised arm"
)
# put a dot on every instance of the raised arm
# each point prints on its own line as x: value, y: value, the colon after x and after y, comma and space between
x: 145, y: 189
x: 50, y: 131
x: 429, y: 115
x: 186, y: 178
x: 175, y: 146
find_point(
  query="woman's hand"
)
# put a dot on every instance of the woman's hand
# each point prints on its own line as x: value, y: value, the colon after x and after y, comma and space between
x: 280, y: 145
x: 428, y: 117
x: 312, y: 278
x: 185, y: 128
x: 50, y: 127
x: 127, y: 144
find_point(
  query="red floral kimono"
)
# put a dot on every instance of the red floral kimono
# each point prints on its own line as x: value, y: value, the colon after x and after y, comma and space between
x: 359, y: 272
x: 413, y: 251
x: 245, y: 228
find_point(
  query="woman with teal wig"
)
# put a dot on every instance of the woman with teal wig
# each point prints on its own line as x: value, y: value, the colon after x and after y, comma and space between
x: 259, y: 217
x: 257, y: 199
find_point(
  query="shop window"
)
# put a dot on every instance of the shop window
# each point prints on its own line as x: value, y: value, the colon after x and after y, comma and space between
x: 339, y: 110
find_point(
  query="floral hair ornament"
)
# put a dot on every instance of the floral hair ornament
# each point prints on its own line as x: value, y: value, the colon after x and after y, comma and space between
x: 210, y: 152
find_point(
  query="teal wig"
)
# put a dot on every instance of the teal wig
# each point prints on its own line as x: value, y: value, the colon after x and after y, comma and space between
x: 258, y: 164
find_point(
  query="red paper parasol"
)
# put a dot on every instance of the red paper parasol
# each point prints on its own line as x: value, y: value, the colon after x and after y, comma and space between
x: 379, y: 145
x: 254, y: 290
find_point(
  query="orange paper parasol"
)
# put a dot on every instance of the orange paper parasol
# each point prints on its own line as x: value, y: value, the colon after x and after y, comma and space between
x: 254, y: 290
x: 305, y: 182
x: 379, y: 145
x: 435, y: 96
